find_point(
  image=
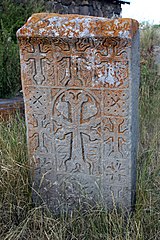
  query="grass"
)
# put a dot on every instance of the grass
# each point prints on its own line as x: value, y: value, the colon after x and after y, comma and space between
x: 20, y: 220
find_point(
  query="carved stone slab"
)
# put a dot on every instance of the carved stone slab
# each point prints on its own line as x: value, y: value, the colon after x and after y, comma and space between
x: 80, y: 79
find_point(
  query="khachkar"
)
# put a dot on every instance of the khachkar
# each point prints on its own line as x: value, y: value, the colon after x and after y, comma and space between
x: 80, y: 79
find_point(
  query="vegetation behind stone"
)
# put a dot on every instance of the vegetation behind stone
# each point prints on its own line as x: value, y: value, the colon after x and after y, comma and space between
x: 13, y: 14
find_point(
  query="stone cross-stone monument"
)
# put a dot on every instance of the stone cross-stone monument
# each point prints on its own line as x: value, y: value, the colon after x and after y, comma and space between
x: 80, y: 79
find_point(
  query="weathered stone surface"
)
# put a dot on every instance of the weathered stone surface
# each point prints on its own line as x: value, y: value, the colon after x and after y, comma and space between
x: 80, y: 79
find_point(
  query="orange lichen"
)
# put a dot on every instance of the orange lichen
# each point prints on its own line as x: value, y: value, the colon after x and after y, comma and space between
x: 77, y: 26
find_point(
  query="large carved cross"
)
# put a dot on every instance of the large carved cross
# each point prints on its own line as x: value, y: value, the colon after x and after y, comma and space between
x: 71, y: 120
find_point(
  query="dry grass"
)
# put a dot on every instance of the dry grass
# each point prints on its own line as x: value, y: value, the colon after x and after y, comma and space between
x: 20, y: 220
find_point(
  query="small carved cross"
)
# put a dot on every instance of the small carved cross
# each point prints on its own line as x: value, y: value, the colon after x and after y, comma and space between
x: 115, y: 135
x: 37, y: 55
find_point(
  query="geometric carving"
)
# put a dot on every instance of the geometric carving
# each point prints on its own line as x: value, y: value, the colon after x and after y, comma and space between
x: 116, y: 102
x: 37, y: 99
x: 80, y: 84
x: 115, y: 171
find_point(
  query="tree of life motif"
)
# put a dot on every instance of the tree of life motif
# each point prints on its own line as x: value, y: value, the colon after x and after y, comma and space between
x: 75, y: 118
